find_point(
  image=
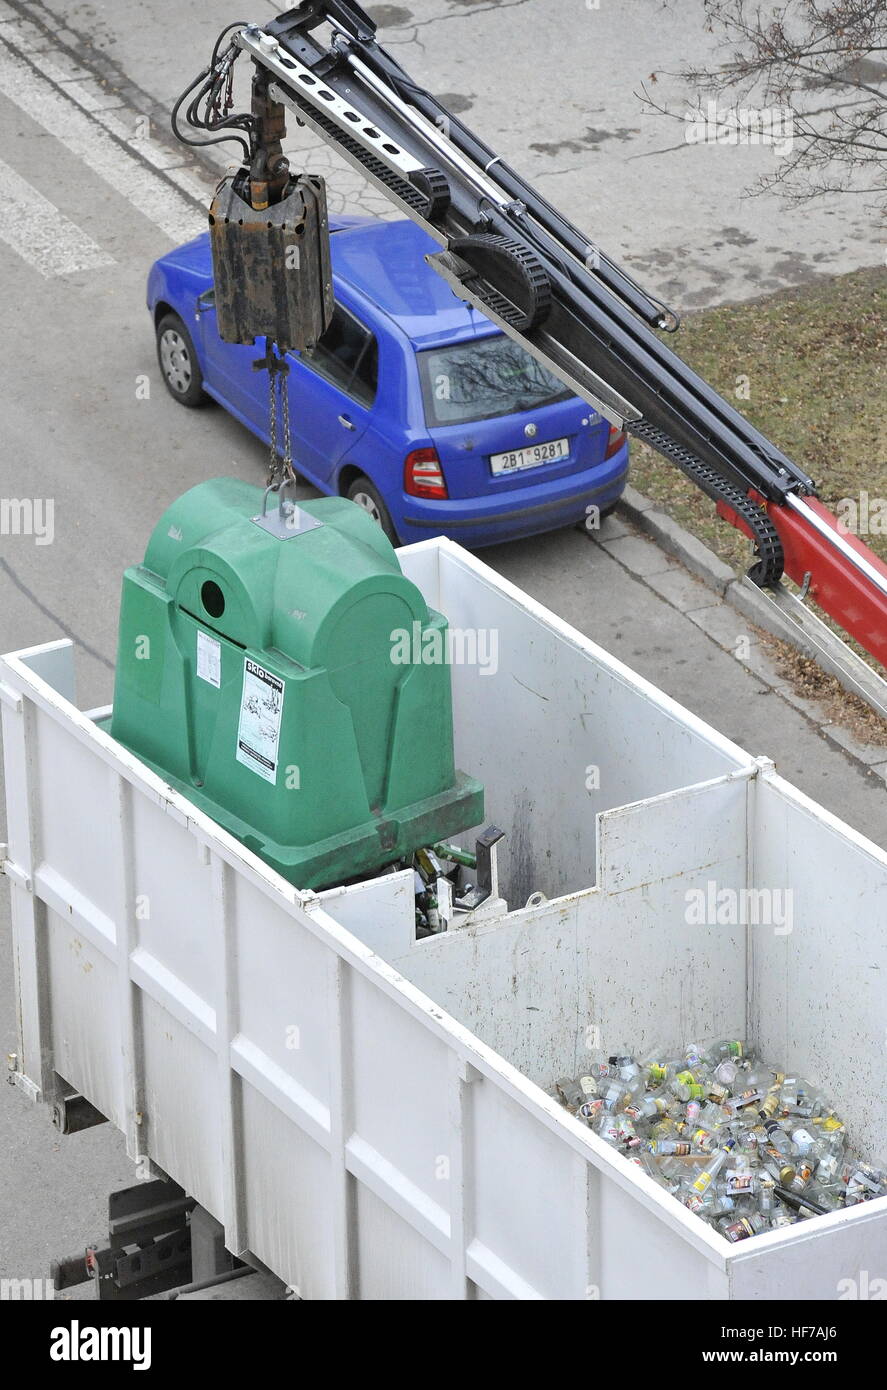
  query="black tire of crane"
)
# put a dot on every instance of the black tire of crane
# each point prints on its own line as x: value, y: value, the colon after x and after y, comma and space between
x: 768, y: 567
x: 530, y: 278
x: 435, y: 189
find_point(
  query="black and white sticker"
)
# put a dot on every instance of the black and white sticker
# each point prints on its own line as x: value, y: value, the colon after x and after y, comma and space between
x: 261, y: 711
x: 209, y: 659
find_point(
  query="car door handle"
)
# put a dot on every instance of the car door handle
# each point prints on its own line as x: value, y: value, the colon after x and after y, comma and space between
x: 349, y: 424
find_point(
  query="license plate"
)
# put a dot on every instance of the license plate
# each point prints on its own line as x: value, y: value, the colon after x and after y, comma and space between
x: 531, y: 457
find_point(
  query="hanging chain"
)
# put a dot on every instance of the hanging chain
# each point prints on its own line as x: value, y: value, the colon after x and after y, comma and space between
x: 288, y: 471
x: 280, y: 466
x: 274, y: 459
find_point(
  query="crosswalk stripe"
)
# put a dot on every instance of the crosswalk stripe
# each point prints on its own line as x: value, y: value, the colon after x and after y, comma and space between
x: 42, y: 235
x: 74, y: 128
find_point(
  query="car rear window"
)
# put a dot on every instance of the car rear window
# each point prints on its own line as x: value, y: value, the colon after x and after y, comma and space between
x: 483, y: 378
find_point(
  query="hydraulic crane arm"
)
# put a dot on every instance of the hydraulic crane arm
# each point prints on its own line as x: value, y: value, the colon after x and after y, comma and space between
x: 512, y: 255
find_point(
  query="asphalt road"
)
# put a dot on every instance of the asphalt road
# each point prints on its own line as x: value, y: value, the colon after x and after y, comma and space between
x: 97, y: 194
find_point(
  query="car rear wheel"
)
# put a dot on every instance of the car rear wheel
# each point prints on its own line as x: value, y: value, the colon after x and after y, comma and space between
x: 366, y: 495
x: 181, y: 372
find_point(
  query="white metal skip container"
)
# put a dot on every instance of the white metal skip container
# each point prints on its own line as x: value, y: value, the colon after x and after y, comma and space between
x: 364, y: 1112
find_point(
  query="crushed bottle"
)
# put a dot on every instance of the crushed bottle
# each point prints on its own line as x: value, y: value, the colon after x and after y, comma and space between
x: 745, y: 1146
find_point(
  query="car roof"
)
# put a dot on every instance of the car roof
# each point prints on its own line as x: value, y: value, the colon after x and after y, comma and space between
x: 383, y: 261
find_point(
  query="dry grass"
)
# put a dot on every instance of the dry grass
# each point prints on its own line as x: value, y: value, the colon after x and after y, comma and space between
x: 810, y: 681
x: 814, y: 360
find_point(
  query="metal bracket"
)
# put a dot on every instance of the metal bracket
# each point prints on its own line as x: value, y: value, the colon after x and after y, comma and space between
x: 345, y: 115
x: 149, y: 1244
x: 14, y: 873
x: 804, y: 629
x: 487, y: 884
x: 10, y: 697
x: 70, y: 1114
x: 23, y: 1083
x: 288, y: 520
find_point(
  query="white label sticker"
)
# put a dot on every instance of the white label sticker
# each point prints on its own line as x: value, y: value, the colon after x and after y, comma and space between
x: 739, y: 1181
x: 209, y: 659
x: 261, y: 710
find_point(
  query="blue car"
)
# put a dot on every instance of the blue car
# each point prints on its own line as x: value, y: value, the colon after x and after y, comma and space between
x: 413, y: 404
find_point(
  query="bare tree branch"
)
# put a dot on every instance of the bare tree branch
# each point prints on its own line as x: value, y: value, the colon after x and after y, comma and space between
x: 789, y: 56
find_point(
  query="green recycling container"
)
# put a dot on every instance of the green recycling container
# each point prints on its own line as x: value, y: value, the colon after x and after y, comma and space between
x: 260, y: 672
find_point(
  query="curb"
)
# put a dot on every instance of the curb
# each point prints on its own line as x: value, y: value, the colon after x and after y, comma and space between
x: 699, y: 560
x: 754, y: 607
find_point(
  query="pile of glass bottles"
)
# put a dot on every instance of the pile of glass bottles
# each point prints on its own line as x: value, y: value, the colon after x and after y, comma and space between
x: 745, y: 1146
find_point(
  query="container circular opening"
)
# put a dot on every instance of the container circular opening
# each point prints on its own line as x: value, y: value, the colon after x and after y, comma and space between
x: 212, y: 598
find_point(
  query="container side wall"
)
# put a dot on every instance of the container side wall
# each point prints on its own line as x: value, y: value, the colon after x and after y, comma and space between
x: 85, y: 1032
x: 632, y: 963
x: 287, y: 1195
x: 380, y: 911
x: 182, y: 1115
x: 644, y: 1259
x: 842, y: 1256
x: 74, y: 816
x: 818, y: 997
x: 281, y: 1015
x: 530, y: 1194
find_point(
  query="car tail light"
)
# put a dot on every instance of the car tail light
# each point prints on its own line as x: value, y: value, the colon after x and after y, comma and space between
x: 423, y: 475
x: 615, y: 442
